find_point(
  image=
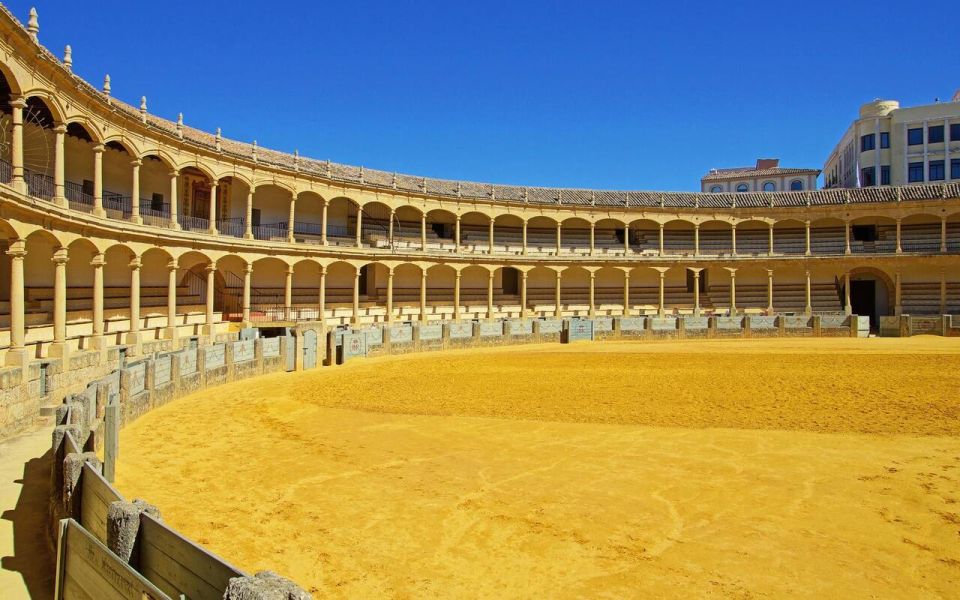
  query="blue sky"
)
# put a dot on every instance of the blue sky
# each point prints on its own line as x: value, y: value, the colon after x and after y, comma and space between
x: 620, y: 95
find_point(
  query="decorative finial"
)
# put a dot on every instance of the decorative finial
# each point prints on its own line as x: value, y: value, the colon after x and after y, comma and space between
x: 458, y: 189
x: 143, y: 108
x: 361, y: 173
x: 106, y: 85
x: 180, y: 125
x: 218, y: 139
x: 296, y: 159
x: 68, y: 57
x: 255, y: 159
x: 394, y: 181
x: 328, y: 168
x: 33, y: 24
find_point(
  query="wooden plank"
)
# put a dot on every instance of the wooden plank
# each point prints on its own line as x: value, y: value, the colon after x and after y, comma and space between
x: 97, y: 495
x: 111, y: 444
x: 90, y: 571
x: 166, y: 556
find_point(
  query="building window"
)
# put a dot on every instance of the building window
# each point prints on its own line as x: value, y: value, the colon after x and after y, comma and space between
x: 867, y: 142
x: 936, y: 170
x: 868, y: 177
x: 796, y: 185
x: 742, y: 188
x: 935, y: 134
x: 769, y: 187
x: 884, y: 139
x: 915, y: 136
x: 885, y: 175
x: 915, y: 172
x: 716, y: 189
x: 955, y: 168
x: 955, y: 132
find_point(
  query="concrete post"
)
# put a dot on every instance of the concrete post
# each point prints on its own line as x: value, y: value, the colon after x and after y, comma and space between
x: 265, y: 585
x: 696, y: 292
x: 123, y: 527
x: 59, y: 195
x: 806, y: 237
x: 211, y: 284
x: 292, y: 218
x: 769, y: 291
x: 733, y: 292
x: 593, y: 307
x: 456, y: 235
x: 593, y: 227
x: 899, y: 247
x: 524, y: 248
x: 770, y: 241
x: 490, y: 237
x: 559, y: 311
x: 359, y: 226
x: 559, y: 238
x: 733, y: 239
x: 696, y: 239
x: 626, y: 238
x: 393, y: 215
x: 423, y: 232
x: 660, y: 239
x: 661, y: 309
x: 59, y: 346
x: 847, y: 307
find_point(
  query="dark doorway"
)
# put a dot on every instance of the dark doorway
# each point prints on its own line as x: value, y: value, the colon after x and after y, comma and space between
x: 511, y: 281
x: 863, y: 300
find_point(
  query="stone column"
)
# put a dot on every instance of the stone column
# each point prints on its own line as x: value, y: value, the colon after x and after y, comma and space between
x: 323, y: 224
x: 660, y: 239
x: 806, y: 229
x: 292, y: 219
x: 211, y: 287
x: 943, y: 234
x: 212, y: 225
x: 248, y: 217
x: 626, y: 293
x: 288, y: 295
x: 16, y: 145
x: 770, y: 291
x: 523, y: 292
x: 770, y: 243
x: 423, y: 294
x: 847, y: 306
x: 174, y: 209
x: 423, y: 232
x: 733, y: 292
x: 96, y: 339
x: 626, y: 238
x: 490, y: 240
x: 593, y: 244
x: 59, y: 346
x: 696, y: 239
x: 733, y: 239
x: 456, y: 296
x: 559, y: 307
x: 356, y: 296
x: 490, y: 278
x: 696, y: 292
x: 98, y: 181
x: 389, y: 294
x: 59, y: 166
x: 808, y: 309
x: 523, y: 250
x: 846, y: 237
x: 17, y: 354
x: 359, y: 225
x: 593, y: 303
x: 898, y: 294
x: 456, y: 235
x: 133, y: 335
x: 172, y: 300
x: 899, y: 248
x: 393, y: 215
x: 135, y: 194
x: 661, y: 309
x: 559, y: 237
x: 943, y: 291
x: 322, y: 294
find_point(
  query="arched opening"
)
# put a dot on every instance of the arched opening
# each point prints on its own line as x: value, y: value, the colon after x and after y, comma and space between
x: 233, y: 269
x: 827, y: 236
x: 271, y: 212
x: 308, y: 221
x: 117, y: 299
x: 920, y: 233
x: 305, y: 292
x: 38, y: 290
x: 645, y: 237
x: 644, y: 290
x: 339, y: 291
x: 268, y: 290
x: 608, y: 236
x: 575, y: 235
x: 154, y: 280
x: 233, y: 209
x: 341, y: 221
x: 953, y: 232
x: 440, y: 230
x: 575, y: 291
x: 194, y: 199
x: 753, y: 238
x: 406, y: 291
x: 870, y: 291
x: 789, y: 237
x: 608, y: 291
x: 541, y: 290
x: 79, y: 167
x: 473, y: 292
x: 508, y: 234
x: 873, y: 234
x: 678, y: 237
x: 541, y: 236
x: 716, y: 238
x: 38, y: 147
x: 155, y: 185
x: 474, y: 232
x: 192, y: 291
x: 377, y: 224
x: 407, y: 227
x: 117, y: 180
x: 440, y: 283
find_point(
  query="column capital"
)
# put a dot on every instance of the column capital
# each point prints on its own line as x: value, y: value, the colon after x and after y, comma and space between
x: 210, y: 268
x: 17, y: 249
x: 99, y: 148
x: 214, y: 183
x: 173, y: 264
x: 174, y: 173
x: 290, y: 270
x: 59, y: 128
x: 98, y: 261
x: 61, y: 256
x: 136, y: 163
x: 135, y: 263
x: 18, y: 101
x: 249, y: 268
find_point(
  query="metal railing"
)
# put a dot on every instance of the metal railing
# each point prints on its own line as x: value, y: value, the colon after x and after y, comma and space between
x: 194, y: 223
x: 235, y: 227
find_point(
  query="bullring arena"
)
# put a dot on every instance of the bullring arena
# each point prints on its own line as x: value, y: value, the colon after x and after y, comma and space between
x: 377, y: 384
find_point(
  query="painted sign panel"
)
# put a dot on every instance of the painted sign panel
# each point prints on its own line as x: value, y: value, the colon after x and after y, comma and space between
x: 632, y: 323
x: 136, y: 376
x: 602, y: 324
x: 188, y: 362
x: 243, y: 351
x: 833, y: 321
x: 374, y: 336
x: 696, y: 322
x: 727, y: 323
x: 401, y: 334
x: 795, y: 321
x: 354, y: 345
x: 521, y: 327
x: 663, y: 323
x: 161, y: 370
x: 431, y: 332
x: 579, y: 329
x: 214, y: 356
x: 551, y: 326
x: 271, y: 347
x: 920, y: 325
x: 459, y: 331
x: 491, y: 328
x: 763, y: 322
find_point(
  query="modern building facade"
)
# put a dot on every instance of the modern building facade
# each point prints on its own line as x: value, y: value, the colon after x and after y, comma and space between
x: 766, y: 176
x: 890, y: 145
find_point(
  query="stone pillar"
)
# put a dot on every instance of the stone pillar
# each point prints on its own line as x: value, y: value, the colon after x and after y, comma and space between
x: 626, y: 238
x: 59, y: 346
x: 661, y: 309
x: 288, y: 295
x: 292, y: 219
x: 770, y: 242
x: 356, y: 296
x: 733, y: 239
x: 96, y: 339
x: 523, y: 250
x: 123, y: 525
x: 211, y: 286
x: 660, y: 239
x: 323, y: 224
x: 456, y: 296
x: 523, y: 292
x: 806, y: 237
x: 389, y: 294
x: 899, y: 247
x: 359, y: 226
x: 593, y: 304
x: 393, y: 215
x: 626, y: 293
x: 898, y: 304
x: 59, y: 166
x: 490, y: 240
x: 808, y: 309
x: 559, y: 237
x: 133, y: 335
x: 135, y: 194
x: 17, y: 353
x: 847, y: 306
x: 490, y: 278
x: 212, y: 225
x: 456, y: 235
x: 733, y: 292
x: 16, y: 145
x: 593, y: 227
x: 846, y: 237
x: 172, y: 300
x: 943, y: 234
x: 696, y: 239
x: 247, y: 280
x: 248, y: 217
x: 266, y: 585
x: 943, y: 292
x: 423, y: 294
x: 174, y: 209
x: 423, y: 232
x: 770, y: 291
x: 322, y: 294
x: 696, y: 292
x: 559, y: 312
x: 98, y: 181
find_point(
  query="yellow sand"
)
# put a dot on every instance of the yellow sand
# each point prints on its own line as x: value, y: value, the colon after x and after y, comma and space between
x: 817, y: 468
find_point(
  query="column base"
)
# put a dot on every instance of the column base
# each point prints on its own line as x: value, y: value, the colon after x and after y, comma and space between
x: 170, y: 333
x: 58, y: 350
x: 213, y: 232
x: 248, y: 236
x: 19, y: 184
x: 208, y: 329
x: 133, y: 340
x: 99, y: 212
x: 61, y: 201
x: 174, y: 225
x: 138, y: 220
x: 98, y: 342
x: 18, y: 357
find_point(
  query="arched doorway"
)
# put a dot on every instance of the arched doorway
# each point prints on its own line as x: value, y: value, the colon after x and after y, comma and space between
x: 870, y: 291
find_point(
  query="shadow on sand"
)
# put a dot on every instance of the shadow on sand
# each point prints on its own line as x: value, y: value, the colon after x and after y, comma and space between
x: 33, y: 553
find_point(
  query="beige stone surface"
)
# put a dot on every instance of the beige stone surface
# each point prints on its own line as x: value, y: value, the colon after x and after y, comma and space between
x: 766, y: 468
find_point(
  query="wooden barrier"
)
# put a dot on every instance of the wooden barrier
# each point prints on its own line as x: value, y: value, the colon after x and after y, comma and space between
x: 96, y: 496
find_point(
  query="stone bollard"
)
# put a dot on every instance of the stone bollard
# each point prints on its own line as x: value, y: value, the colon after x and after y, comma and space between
x: 72, y: 468
x: 746, y: 327
x: 123, y: 525
x: 817, y: 325
x: 265, y: 585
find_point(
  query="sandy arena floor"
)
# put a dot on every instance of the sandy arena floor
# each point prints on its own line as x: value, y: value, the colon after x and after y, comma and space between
x: 817, y: 468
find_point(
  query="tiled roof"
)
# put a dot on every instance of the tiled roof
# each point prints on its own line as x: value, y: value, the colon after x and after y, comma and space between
x: 741, y: 172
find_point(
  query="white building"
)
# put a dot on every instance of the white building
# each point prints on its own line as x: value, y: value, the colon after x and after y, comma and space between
x: 766, y: 176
